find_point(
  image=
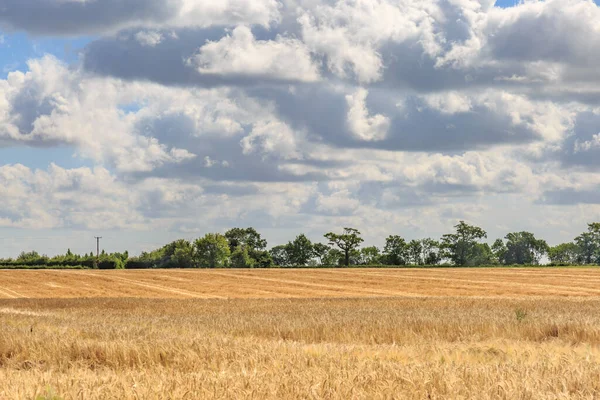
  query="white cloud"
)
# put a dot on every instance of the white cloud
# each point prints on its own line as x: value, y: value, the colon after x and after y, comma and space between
x: 449, y: 102
x: 50, y: 104
x: 340, y: 112
x: 109, y: 16
x: 587, y: 145
x: 149, y: 38
x: 271, y: 137
x: 363, y: 125
x: 241, y: 54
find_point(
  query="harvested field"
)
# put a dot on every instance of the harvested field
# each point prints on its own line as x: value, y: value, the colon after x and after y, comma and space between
x: 333, y: 334
x: 301, y: 283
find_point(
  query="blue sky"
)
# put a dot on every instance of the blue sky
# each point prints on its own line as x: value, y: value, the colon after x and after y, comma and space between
x: 182, y: 121
x: 19, y: 47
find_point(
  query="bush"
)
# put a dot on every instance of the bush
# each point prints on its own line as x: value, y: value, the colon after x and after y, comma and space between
x: 139, y: 264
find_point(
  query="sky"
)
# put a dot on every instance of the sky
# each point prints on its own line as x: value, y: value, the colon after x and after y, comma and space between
x: 145, y: 121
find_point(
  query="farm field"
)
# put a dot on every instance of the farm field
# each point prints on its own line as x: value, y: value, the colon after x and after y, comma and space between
x: 339, y: 334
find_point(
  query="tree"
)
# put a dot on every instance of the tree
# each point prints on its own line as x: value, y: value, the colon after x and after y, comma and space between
x: 587, y: 248
x: 395, y: 251
x: 589, y: 244
x: 564, y: 254
x: 431, y: 251
x: 414, y: 249
x: 262, y: 259
x: 522, y: 248
x: 183, y: 254
x: 333, y: 257
x: 248, y: 237
x: 482, y: 255
x: 180, y: 254
x: 461, y: 247
x: 279, y: 254
x: 241, y: 259
x: 253, y: 244
x: 499, y: 251
x: 320, y: 251
x: 347, y: 241
x: 370, y: 255
x: 300, y: 250
x: 211, y: 251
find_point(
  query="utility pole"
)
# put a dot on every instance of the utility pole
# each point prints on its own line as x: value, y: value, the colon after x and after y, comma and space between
x: 97, y: 249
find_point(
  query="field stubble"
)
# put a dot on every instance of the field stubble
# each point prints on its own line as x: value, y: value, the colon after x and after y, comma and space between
x: 524, y: 335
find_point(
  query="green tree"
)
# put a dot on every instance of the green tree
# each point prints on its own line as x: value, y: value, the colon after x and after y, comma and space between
x: 414, y: 250
x: 589, y: 244
x: 183, y: 254
x: 594, y: 229
x: 279, y: 254
x: 333, y: 257
x: 564, y: 254
x: 300, y: 250
x: 499, y: 251
x: 431, y: 251
x: 247, y: 237
x: 262, y: 259
x: 370, y: 255
x: 320, y: 251
x: 211, y: 251
x: 482, y: 255
x: 461, y: 247
x: 254, y: 245
x: 523, y: 248
x: 241, y: 259
x: 347, y: 241
x: 587, y: 248
x: 395, y: 251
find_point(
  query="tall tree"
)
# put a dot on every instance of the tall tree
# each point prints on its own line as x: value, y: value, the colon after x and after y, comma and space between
x: 241, y: 259
x: 524, y: 248
x: 300, y: 250
x: 594, y: 230
x: 370, y: 255
x: 183, y: 254
x: 251, y: 243
x: 564, y: 254
x: 248, y: 237
x: 395, y: 250
x: 499, y: 251
x: 333, y: 257
x: 347, y: 241
x: 461, y: 247
x: 414, y: 252
x: 279, y: 255
x: 588, y: 248
x: 431, y: 251
x: 211, y: 251
x: 320, y: 251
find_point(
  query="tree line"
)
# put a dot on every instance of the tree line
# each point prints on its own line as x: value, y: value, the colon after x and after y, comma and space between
x: 245, y: 248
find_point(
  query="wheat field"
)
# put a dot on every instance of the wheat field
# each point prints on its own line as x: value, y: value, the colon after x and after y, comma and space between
x: 301, y: 334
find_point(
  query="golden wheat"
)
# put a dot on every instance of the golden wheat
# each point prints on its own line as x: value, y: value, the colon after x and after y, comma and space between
x: 533, y: 334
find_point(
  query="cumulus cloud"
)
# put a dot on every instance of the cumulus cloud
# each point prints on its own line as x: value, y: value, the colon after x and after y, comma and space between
x: 370, y: 113
x: 149, y: 38
x: 241, y: 54
x: 72, y: 17
x: 50, y: 105
x: 363, y: 125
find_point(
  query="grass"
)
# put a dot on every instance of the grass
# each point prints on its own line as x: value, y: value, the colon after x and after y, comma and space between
x: 535, y: 342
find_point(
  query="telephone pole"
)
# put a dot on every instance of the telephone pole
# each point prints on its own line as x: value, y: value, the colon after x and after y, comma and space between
x: 97, y: 246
